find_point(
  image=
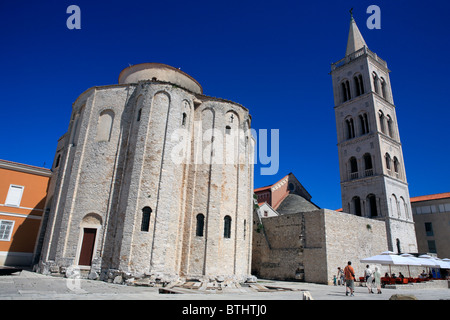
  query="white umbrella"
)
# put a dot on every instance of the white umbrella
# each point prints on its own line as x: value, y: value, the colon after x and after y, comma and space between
x: 447, y: 263
x: 427, y: 261
x: 389, y: 258
x: 442, y: 264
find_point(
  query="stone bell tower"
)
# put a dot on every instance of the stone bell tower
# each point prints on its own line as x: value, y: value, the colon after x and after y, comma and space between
x: 372, y: 171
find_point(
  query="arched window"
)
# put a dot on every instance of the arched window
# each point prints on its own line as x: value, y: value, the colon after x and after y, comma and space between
x: 364, y: 123
x: 200, y: 225
x: 104, y: 125
x: 372, y: 205
x: 404, y: 208
x: 227, y: 227
x: 183, y: 121
x: 227, y: 129
x: 58, y: 159
x: 139, y: 115
x: 394, y: 207
x: 145, y: 223
x: 383, y: 88
x: 345, y: 85
x: 396, y: 167
x: 350, y: 128
x: 389, y: 125
x: 368, y: 168
x: 376, y: 81
x: 357, y: 205
x: 359, y: 87
x: 388, y: 161
x: 76, y: 126
x: 382, y: 119
x: 353, y: 168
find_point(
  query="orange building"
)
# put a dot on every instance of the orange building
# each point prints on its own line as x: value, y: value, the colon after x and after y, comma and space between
x: 23, y: 191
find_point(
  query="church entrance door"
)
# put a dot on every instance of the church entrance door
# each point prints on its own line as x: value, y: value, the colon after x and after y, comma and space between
x: 87, y: 247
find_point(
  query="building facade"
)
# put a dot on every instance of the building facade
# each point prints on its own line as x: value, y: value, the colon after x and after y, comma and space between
x: 153, y: 178
x: 372, y: 170
x: 431, y: 215
x: 23, y: 192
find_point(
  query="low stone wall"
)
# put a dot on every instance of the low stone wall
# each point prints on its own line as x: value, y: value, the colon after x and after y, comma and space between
x: 310, y: 246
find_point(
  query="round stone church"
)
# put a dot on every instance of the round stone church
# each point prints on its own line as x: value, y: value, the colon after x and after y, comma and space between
x: 152, y: 179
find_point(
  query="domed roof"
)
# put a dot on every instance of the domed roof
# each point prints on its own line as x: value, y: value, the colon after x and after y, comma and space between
x: 295, y: 203
x: 159, y: 72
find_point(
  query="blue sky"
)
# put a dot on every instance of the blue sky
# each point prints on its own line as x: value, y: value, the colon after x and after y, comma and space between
x: 273, y: 57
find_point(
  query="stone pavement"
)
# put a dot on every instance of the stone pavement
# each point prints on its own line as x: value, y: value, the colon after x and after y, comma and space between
x: 32, y: 286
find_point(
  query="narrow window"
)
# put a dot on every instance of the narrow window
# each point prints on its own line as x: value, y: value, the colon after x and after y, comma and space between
x: 372, y: 205
x: 145, y: 224
x: 357, y: 87
x: 388, y: 161
x: 398, y: 246
x: 104, y: 125
x: 366, y: 121
x: 200, y: 225
x: 389, y: 125
x: 375, y: 82
x: 227, y: 129
x: 357, y: 205
x: 368, y: 165
x: 183, y: 121
x: 58, y: 159
x: 396, y: 166
x: 432, y: 246
x: 429, y: 229
x: 139, y: 115
x: 344, y: 92
x: 361, y: 84
x: 383, y: 88
x: 381, y: 117
x: 347, y: 85
x: 353, y: 168
x: 350, y: 128
x: 14, y: 196
x: 227, y: 227
x: 363, y: 123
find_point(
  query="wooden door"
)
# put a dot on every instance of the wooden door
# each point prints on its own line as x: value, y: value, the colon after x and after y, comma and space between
x: 87, y: 247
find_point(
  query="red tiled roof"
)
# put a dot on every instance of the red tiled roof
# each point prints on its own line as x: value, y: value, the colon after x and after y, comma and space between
x: 431, y: 197
x: 262, y: 188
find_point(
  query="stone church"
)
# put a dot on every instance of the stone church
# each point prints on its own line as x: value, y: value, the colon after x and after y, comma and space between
x: 151, y: 179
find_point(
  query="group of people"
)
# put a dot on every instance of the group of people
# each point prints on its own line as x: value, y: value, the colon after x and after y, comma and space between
x: 347, y: 277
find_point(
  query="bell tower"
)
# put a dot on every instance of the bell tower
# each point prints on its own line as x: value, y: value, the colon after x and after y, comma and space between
x: 372, y: 170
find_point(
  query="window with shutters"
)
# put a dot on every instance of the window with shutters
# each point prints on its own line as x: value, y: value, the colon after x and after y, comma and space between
x: 14, y: 196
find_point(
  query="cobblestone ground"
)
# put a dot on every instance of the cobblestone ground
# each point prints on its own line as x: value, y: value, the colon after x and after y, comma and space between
x: 32, y: 286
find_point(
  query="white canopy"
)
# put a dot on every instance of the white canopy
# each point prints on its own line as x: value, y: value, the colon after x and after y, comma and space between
x: 389, y: 258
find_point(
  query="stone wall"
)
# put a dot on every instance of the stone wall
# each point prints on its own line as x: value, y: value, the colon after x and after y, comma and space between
x: 310, y: 246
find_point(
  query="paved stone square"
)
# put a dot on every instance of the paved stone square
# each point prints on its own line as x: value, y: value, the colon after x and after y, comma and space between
x: 33, y: 286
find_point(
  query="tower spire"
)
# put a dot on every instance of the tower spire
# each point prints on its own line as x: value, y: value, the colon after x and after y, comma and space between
x: 355, y: 39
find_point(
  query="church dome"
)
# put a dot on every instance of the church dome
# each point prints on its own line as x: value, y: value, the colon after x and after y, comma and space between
x: 159, y: 72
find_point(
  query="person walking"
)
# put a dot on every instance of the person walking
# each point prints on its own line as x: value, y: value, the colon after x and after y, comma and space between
x: 340, y: 276
x: 368, y: 278
x: 349, y: 273
x: 377, y: 278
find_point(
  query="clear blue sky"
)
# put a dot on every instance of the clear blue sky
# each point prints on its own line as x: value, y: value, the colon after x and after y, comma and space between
x: 271, y: 56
